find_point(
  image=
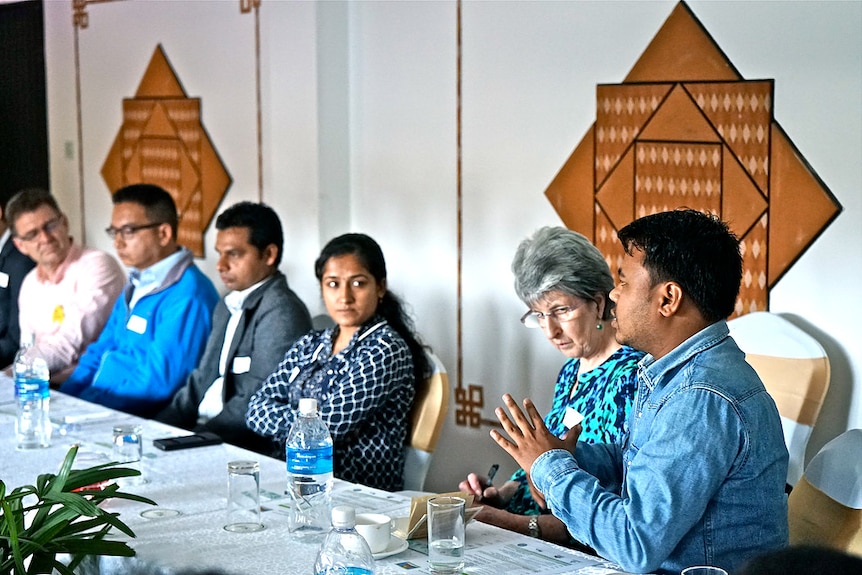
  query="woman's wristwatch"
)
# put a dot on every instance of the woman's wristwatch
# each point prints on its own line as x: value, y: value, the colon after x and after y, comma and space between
x: 533, y: 527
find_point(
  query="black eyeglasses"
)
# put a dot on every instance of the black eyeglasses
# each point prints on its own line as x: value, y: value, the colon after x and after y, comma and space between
x: 48, y: 227
x: 127, y: 232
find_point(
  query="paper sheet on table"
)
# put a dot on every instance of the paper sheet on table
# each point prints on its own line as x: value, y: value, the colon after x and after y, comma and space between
x: 415, y: 526
x: 492, y: 551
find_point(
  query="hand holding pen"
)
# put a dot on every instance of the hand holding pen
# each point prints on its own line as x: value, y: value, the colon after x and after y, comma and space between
x: 491, y: 473
x: 482, y: 488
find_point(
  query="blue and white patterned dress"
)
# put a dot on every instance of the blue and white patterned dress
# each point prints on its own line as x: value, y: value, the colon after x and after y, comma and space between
x: 364, y: 392
x: 603, y: 395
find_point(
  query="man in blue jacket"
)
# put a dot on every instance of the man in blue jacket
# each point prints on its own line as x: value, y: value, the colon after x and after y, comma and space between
x: 159, y: 325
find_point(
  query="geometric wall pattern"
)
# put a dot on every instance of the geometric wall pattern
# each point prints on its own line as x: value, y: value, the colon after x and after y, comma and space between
x: 163, y: 142
x: 685, y: 129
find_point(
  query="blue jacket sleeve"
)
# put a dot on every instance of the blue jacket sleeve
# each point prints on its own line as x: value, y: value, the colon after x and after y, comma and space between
x: 140, y: 372
x: 82, y: 377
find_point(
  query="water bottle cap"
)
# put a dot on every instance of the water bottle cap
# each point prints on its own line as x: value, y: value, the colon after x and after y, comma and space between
x: 343, y: 516
x: 307, y: 406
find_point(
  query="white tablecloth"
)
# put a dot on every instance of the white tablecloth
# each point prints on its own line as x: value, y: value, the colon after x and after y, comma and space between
x: 194, y: 483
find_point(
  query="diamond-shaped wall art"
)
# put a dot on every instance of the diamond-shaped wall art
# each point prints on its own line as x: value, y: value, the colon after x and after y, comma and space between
x: 685, y: 129
x: 163, y: 142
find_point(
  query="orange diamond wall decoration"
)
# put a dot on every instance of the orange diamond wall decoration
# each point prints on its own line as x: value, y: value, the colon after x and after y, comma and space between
x: 685, y: 129
x: 163, y: 142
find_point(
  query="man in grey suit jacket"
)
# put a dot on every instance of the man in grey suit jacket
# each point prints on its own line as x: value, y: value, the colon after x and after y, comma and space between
x: 253, y: 326
x: 13, y: 267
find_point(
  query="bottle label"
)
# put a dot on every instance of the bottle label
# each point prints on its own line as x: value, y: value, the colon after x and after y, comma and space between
x: 29, y: 388
x: 312, y: 461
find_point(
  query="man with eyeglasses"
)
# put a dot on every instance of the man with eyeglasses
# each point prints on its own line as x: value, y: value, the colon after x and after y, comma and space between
x: 66, y: 299
x: 158, y: 327
x: 14, y: 266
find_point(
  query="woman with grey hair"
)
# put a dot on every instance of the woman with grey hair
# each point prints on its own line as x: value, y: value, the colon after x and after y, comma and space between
x: 565, y: 281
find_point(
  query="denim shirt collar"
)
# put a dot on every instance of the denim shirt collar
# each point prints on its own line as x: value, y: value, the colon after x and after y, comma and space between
x: 653, y: 370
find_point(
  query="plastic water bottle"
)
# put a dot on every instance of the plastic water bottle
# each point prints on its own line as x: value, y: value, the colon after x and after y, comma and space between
x: 344, y: 551
x: 33, y: 423
x: 309, y: 473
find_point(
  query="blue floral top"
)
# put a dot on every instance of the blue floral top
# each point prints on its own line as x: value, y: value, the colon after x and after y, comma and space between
x: 603, y: 395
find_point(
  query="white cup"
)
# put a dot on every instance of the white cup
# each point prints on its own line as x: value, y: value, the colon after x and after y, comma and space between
x: 375, y: 529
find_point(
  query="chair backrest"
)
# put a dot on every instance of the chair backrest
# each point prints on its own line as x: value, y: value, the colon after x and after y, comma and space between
x: 428, y: 415
x: 825, y: 507
x: 795, y: 370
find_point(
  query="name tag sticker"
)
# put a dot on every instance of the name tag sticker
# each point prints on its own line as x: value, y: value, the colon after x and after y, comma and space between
x: 293, y: 373
x: 241, y: 364
x: 572, y: 418
x: 4, y: 280
x: 137, y: 324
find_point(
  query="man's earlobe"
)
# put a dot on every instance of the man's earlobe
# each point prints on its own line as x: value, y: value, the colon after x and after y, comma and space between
x: 270, y: 254
x: 671, y: 299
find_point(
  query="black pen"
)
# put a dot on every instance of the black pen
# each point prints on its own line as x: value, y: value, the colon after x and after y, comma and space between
x: 492, y: 472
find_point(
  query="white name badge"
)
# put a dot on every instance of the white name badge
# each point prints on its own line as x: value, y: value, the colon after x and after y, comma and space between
x: 137, y: 324
x: 4, y: 280
x: 241, y: 364
x: 572, y: 418
x: 293, y: 373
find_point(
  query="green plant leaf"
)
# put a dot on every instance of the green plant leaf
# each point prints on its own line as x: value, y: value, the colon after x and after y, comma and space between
x: 57, y: 484
x: 79, y: 478
x: 60, y: 520
x: 14, y: 547
x: 75, y: 502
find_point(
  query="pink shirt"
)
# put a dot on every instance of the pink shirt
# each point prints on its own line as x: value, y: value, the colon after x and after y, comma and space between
x: 67, y: 311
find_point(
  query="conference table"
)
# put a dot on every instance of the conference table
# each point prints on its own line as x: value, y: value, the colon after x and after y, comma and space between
x: 186, y: 533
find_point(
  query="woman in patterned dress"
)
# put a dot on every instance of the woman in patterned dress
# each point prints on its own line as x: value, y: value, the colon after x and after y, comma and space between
x: 564, y: 281
x: 363, y: 371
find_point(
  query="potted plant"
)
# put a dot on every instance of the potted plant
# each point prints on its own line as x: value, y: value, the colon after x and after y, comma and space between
x: 61, y: 515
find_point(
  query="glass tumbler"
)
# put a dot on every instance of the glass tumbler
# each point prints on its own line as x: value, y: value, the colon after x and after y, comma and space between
x: 446, y: 535
x: 243, y: 497
x: 128, y: 449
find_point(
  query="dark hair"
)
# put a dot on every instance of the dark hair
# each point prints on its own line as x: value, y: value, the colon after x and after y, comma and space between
x: 5, y: 196
x: 157, y: 202
x: 696, y: 250
x: 264, y: 227
x: 803, y: 560
x: 27, y: 201
x: 369, y: 254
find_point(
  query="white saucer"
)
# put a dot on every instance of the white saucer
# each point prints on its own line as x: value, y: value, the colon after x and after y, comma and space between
x: 396, y: 545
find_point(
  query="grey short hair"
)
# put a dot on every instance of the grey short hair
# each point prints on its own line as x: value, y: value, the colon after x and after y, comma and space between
x: 557, y: 259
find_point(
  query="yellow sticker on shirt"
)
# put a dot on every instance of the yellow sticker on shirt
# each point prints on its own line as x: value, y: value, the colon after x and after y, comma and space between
x: 59, y: 314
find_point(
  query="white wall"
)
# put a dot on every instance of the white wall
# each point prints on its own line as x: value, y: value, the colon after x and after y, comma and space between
x: 360, y: 124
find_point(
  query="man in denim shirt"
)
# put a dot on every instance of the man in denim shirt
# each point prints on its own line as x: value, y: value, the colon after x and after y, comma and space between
x: 699, y: 477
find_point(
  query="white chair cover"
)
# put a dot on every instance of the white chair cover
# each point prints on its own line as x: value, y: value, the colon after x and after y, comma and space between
x: 796, y: 372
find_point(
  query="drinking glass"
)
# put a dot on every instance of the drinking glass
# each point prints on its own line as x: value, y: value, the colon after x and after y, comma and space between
x: 446, y: 535
x: 128, y: 449
x: 703, y: 570
x: 243, y: 497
